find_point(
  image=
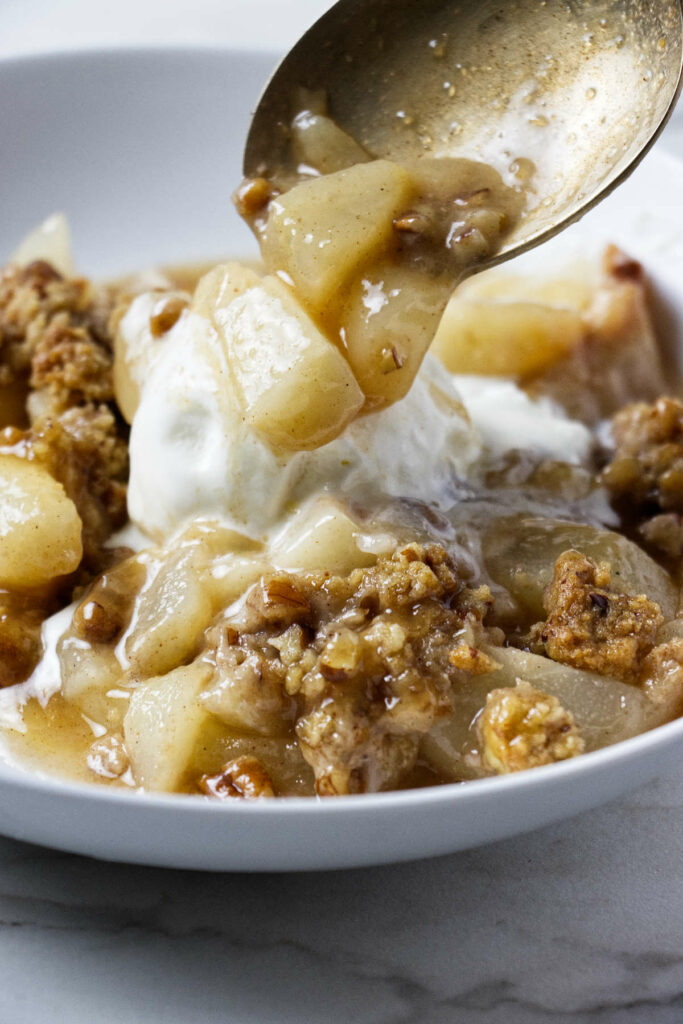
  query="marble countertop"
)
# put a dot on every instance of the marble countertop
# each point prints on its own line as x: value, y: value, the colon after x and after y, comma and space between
x: 579, y: 922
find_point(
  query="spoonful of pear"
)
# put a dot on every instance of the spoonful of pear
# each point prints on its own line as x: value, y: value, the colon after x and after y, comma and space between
x: 405, y: 144
x: 581, y: 87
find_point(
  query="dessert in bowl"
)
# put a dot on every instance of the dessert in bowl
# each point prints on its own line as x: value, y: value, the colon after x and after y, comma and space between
x: 356, y: 567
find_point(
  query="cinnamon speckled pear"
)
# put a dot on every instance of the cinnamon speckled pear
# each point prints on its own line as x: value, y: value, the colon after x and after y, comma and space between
x: 294, y: 386
x: 40, y: 529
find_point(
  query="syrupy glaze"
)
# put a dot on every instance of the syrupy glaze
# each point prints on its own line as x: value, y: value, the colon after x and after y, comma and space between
x: 61, y: 742
x: 58, y: 742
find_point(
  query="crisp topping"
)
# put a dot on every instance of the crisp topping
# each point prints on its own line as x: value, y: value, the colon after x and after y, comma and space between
x: 521, y: 728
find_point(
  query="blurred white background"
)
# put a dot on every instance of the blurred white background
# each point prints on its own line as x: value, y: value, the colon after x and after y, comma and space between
x: 45, y: 26
x: 35, y: 26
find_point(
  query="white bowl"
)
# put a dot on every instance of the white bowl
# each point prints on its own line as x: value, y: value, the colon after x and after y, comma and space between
x: 141, y: 149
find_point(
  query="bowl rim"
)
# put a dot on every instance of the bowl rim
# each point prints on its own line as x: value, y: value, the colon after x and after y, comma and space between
x: 22, y: 778
x: 453, y: 793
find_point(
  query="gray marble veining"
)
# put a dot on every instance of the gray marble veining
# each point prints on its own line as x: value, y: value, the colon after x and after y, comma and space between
x: 581, y: 921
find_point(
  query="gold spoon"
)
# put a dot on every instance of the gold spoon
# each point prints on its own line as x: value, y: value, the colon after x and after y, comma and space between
x: 582, y: 88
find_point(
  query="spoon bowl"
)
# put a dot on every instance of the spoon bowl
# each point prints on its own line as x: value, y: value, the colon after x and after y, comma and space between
x: 570, y: 93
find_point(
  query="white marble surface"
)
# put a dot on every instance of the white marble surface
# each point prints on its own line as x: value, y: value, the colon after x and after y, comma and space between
x: 579, y: 922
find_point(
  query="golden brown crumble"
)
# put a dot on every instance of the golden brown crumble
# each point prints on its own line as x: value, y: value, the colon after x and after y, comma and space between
x: 664, y: 532
x: 645, y: 474
x: 56, y: 369
x: 521, y: 727
x: 45, y: 320
x: 662, y: 676
x: 68, y: 368
x: 244, y: 778
x: 593, y: 628
x: 30, y: 297
x: 361, y: 663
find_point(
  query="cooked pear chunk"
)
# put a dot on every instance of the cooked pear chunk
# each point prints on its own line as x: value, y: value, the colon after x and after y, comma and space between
x: 173, y: 612
x: 40, y: 529
x: 216, y: 289
x: 322, y: 231
x: 321, y: 144
x: 323, y: 536
x: 91, y: 678
x: 49, y: 241
x: 505, y: 339
x: 295, y: 387
x: 520, y: 554
x: 163, y: 724
x: 573, y: 289
x: 389, y: 322
x: 621, y: 350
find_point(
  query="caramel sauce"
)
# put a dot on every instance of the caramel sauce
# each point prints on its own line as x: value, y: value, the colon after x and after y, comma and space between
x: 57, y: 742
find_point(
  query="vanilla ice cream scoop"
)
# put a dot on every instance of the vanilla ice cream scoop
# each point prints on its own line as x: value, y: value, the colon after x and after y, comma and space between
x: 508, y: 419
x: 193, y: 454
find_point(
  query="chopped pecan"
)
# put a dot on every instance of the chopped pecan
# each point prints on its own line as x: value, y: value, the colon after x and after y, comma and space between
x: 244, y: 778
x: 166, y: 315
x: 252, y: 195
